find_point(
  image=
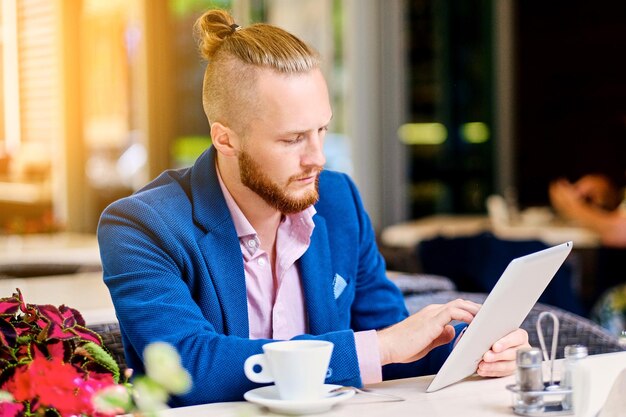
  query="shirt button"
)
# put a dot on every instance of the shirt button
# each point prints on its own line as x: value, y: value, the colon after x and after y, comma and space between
x: 261, y: 262
x: 252, y: 243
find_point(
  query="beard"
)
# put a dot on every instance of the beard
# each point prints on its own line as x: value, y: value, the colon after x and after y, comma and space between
x: 253, y: 177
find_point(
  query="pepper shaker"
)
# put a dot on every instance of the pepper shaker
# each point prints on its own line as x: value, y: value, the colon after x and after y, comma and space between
x: 529, y: 378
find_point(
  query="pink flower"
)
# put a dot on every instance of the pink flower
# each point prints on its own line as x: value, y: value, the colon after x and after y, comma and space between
x: 11, y: 409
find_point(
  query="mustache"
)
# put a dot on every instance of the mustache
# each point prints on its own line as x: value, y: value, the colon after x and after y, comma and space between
x: 313, y: 172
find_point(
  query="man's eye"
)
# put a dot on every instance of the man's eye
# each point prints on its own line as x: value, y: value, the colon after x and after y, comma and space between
x: 293, y: 140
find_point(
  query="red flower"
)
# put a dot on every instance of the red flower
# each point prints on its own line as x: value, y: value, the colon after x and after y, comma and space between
x: 19, y: 385
x: 57, y: 385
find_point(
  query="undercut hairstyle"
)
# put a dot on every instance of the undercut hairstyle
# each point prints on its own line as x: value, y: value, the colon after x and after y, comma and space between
x: 234, y: 57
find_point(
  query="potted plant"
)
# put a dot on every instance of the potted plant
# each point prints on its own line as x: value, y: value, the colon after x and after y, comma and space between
x: 51, y: 364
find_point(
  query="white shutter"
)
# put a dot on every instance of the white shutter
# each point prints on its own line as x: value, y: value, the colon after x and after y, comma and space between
x: 37, y: 71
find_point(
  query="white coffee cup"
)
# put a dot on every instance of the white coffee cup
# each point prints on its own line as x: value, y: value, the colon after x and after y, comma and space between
x: 297, y: 367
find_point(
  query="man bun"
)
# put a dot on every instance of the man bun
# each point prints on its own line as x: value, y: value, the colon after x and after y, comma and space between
x: 211, y: 29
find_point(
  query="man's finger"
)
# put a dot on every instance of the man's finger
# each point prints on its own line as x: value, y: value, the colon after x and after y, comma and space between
x: 508, y: 355
x: 496, y: 369
x: 518, y: 337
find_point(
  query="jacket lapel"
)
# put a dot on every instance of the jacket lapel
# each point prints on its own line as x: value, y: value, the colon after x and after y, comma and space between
x: 219, y: 246
x: 221, y: 251
x: 317, y: 277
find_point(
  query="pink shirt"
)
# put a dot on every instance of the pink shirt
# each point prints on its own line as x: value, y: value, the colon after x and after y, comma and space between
x: 276, y: 308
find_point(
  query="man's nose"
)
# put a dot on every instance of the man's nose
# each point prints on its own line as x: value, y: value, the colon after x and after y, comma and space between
x: 315, y: 151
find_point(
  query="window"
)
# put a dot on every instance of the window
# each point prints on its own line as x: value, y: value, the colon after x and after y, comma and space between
x: 29, y: 65
x: 28, y: 113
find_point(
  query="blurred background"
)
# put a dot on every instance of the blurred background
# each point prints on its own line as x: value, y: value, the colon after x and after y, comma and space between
x: 452, y: 116
x: 438, y: 103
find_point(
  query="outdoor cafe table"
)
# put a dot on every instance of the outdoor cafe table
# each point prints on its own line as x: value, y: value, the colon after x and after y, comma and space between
x: 473, y: 397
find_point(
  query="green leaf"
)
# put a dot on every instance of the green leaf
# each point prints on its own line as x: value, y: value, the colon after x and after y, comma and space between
x: 100, y: 356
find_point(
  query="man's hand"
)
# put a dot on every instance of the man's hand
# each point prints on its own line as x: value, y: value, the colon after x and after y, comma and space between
x: 415, y: 336
x: 598, y: 191
x: 500, y: 359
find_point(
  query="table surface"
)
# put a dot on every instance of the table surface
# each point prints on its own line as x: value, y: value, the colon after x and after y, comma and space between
x: 409, y: 234
x: 84, y: 290
x: 51, y: 248
x: 488, y: 398
x: 472, y: 397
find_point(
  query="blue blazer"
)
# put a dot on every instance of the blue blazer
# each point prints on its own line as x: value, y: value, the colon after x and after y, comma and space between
x: 172, y: 262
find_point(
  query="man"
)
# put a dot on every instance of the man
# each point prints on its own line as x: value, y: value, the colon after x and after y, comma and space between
x: 255, y: 242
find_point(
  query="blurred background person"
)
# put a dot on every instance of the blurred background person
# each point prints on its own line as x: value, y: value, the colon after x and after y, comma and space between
x: 596, y: 202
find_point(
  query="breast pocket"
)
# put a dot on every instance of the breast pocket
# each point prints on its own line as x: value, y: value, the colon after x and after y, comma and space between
x: 339, y: 286
x: 343, y: 291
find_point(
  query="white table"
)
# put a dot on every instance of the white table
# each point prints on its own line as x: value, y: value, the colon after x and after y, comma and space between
x: 474, y: 397
x: 409, y: 234
x: 84, y: 291
x: 402, y: 239
x: 478, y: 397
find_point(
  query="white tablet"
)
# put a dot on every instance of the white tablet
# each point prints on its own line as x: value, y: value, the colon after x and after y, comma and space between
x: 504, y: 310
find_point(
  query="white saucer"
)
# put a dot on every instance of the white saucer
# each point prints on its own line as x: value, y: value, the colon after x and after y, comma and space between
x: 268, y: 397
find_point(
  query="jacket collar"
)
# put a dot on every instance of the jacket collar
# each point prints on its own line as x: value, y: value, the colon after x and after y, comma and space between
x: 210, y: 211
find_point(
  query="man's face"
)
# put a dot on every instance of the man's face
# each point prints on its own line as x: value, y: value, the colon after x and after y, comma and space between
x: 281, y: 156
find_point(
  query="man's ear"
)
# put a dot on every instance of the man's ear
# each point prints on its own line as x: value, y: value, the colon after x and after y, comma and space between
x: 224, y: 139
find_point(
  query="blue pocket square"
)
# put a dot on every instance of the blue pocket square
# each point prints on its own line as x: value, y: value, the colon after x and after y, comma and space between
x: 339, y: 284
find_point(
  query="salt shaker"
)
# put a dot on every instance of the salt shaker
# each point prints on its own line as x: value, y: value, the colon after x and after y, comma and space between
x: 529, y: 378
x: 573, y: 355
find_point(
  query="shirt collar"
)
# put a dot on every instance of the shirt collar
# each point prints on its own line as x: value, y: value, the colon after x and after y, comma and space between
x: 243, y: 226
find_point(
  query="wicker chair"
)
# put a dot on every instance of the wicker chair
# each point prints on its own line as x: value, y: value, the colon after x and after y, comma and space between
x: 112, y: 340
x: 573, y: 329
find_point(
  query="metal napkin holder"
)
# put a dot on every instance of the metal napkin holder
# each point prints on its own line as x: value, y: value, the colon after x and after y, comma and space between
x: 552, y: 395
